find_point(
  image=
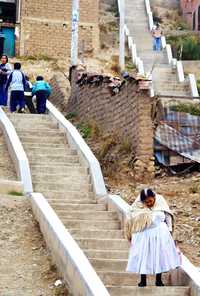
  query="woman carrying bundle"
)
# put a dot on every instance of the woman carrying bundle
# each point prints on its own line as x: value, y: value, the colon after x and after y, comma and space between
x: 149, y: 228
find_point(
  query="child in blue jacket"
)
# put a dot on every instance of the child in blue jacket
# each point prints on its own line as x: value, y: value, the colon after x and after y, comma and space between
x: 42, y: 90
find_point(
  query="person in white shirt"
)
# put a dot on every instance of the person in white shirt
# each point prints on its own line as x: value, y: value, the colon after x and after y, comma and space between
x: 17, y: 84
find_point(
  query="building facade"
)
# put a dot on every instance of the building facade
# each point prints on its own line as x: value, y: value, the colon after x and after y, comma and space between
x: 191, y: 12
x: 43, y: 28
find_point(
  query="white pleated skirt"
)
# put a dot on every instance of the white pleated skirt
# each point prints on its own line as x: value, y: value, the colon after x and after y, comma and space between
x: 153, y: 251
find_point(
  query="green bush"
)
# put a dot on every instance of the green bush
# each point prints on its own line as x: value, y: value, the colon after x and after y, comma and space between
x: 198, y: 86
x: 15, y: 193
x: 185, y: 47
x: 84, y: 129
x: 187, y: 108
x: 71, y: 115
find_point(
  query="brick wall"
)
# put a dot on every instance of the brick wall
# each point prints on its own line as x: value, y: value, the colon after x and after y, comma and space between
x: 128, y: 113
x: 46, y: 27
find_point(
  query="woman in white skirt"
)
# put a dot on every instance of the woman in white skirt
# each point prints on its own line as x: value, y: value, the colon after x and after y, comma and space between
x: 149, y: 228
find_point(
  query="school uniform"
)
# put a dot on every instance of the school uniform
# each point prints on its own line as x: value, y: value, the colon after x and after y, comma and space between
x: 17, y: 84
x: 6, y: 70
x: 42, y: 90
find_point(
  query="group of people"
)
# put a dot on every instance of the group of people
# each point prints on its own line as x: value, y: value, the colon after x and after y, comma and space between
x: 149, y: 229
x: 21, y: 89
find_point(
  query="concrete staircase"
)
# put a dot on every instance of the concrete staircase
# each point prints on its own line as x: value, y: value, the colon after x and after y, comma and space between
x: 58, y: 174
x: 165, y: 81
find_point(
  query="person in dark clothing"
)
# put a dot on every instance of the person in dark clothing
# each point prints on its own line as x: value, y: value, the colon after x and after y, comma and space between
x: 5, y: 70
x: 42, y: 90
x: 28, y: 96
x: 17, y: 83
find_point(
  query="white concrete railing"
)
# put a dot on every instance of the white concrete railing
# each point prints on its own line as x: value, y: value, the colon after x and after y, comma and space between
x: 180, y: 71
x: 163, y: 42
x: 116, y: 203
x: 86, y: 156
x: 132, y: 48
x: 149, y: 14
x: 193, y: 85
x: 169, y: 53
x: 69, y: 258
x: 16, y: 152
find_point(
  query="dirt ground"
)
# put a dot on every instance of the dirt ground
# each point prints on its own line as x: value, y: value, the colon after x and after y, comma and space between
x: 25, y: 266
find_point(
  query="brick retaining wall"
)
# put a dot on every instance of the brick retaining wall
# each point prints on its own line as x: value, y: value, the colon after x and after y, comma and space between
x: 128, y: 113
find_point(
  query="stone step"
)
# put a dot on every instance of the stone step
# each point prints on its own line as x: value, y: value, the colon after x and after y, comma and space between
x: 63, y: 177
x: 35, y: 150
x: 174, y: 87
x: 105, y: 244
x: 83, y: 215
x: 137, y: 18
x: 28, y: 117
x: 106, y: 253
x: 69, y: 185
x: 48, y: 146
x: 70, y: 195
x: 165, y: 80
x: 55, y: 159
x: 155, y: 291
x: 116, y: 278
x: 34, y: 125
x: 96, y: 234
x: 44, y: 139
x: 108, y: 264
x: 95, y: 225
x: 62, y: 200
x: 60, y: 168
x: 173, y: 93
x: 58, y: 206
x: 37, y: 133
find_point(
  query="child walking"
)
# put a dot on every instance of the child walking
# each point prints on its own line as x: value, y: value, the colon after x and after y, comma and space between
x: 17, y: 83
x: 42, y: 90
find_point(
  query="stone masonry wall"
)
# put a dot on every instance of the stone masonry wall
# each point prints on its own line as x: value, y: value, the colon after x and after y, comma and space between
x: 127, y: 113
x: 46, y: 27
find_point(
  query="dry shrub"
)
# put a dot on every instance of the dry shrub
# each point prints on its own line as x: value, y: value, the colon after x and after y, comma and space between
x: 115, y: 64
x: 125, y: 146
x: 95, y: 129
x: 109, y: 142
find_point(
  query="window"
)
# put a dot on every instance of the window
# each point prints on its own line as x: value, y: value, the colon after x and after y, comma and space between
x: 8, y: 12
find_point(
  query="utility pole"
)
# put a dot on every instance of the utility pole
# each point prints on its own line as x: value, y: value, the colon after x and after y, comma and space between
x: 122, y: 35
x: 74, y: 40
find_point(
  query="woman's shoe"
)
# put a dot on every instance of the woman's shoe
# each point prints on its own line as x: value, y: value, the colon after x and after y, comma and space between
x: 159, y: 284
x: 142, y: 284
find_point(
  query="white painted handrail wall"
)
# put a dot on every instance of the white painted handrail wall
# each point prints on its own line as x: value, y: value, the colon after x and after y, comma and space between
x: 16, y: 152
x: 70, y: 259
x: 132, y: 48
x: 193, y: 85
x: 149, y: 14
x: 76, y: 142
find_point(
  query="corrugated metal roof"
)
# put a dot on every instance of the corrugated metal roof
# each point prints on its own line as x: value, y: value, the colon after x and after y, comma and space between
x: 175, y: 141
